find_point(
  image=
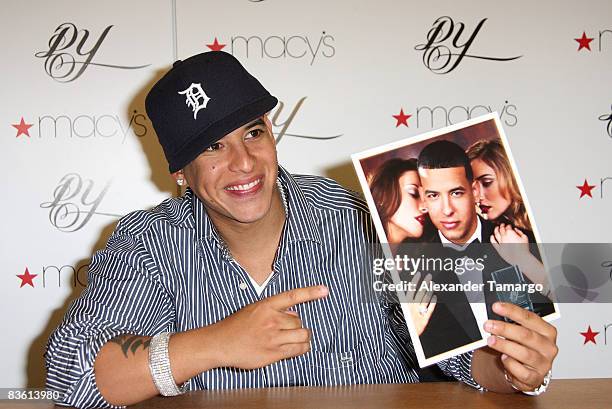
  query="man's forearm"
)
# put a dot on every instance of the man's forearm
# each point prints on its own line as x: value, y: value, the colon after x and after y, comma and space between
x: 122, y: 365
x: 488, y: 371
x: 253, y: 337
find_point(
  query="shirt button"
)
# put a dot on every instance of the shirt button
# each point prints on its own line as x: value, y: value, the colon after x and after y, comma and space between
x: 243, y: 285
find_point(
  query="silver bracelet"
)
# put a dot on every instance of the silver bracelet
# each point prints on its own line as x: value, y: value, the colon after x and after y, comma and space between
x: 159, y: 364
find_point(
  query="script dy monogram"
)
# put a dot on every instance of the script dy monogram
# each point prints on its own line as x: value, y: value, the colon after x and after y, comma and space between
x: 608, y: 119
x: 63, y: 66
x: 74, y: 203
x: 447, y: 46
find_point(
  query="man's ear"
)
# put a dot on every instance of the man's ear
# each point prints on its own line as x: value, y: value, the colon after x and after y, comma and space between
x: 179, y: 177
x: 266, y: 120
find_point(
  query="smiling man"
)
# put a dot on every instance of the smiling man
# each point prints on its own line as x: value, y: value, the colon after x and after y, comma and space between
x: 253, y: 278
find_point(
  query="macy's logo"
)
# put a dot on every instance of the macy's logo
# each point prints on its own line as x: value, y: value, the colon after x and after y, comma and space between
x: 590, y: 336
x: 51, y: 274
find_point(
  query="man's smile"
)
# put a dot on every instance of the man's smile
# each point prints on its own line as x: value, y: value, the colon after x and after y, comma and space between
x: 245, y: 187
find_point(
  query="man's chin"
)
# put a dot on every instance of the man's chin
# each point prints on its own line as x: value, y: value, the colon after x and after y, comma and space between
x: 453, y: 235
x: 247, y: 217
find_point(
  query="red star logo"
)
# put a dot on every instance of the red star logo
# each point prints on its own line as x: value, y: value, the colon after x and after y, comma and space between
x: 585, y: 189
x: 583, y: 42
x: 26, y: 278
x: 215, y: 46
x: 589, y: 336
x: 402, y: 119
x: 22, y: 128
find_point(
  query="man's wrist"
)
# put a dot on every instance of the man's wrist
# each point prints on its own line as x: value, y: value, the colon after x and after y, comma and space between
x: 537, y: 391
x: 488, y: 371
x: 210, y: 350
x: 193, y: 352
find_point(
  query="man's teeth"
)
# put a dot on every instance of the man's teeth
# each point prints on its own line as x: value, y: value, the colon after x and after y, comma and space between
x: 244, y: 187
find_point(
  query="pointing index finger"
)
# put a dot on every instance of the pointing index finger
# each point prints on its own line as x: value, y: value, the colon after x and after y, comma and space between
x: 288, y: 299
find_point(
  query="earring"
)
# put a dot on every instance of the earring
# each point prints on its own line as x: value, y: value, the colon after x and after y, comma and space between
x: 423, y: 210
x: 180, y: 181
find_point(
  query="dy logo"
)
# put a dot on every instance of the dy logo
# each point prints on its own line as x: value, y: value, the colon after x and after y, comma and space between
x: 448, y: 43
x: 75, y: 202
x: 608, y: 119
x: 71, y: 51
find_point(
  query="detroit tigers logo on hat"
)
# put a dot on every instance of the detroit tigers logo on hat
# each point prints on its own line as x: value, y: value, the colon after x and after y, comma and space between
x: 195, y: 98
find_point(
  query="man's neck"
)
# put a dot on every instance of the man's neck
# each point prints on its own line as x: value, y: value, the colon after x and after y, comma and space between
x: 238, y: 235
x: 254, y: 245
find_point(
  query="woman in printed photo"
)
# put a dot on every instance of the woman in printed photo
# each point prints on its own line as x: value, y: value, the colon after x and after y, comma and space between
x: 395, y: 190
x: 500, y: 200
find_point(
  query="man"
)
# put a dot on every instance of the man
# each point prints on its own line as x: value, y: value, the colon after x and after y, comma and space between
x: 449, y: 194
x: 253, y: 278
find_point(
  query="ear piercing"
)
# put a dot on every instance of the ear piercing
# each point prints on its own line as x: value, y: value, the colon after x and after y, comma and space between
x: 180, y: 182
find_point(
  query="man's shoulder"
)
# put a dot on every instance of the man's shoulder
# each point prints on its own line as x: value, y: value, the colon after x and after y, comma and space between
x: 173, y: 211
x: 326, y: 194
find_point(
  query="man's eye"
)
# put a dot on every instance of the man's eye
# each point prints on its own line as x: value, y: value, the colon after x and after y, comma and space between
x: 213, y: 147
x: 457, y: 193
x: 431, y: 195
x: 254, y: 133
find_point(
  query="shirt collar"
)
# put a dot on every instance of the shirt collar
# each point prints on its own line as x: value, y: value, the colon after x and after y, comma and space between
x: 477, y: 235
x: 300, y: 224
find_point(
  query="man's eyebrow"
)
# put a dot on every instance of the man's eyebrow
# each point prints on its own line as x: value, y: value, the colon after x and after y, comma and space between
x: 254, y: 123
x: 458, y: 188
x: 427, y: 191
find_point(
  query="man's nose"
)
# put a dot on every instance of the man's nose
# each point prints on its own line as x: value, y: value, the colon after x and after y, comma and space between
x: 240, y: 159
x: 447, y: 207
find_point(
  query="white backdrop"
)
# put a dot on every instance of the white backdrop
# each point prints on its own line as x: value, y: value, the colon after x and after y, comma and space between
x: 342, y: 69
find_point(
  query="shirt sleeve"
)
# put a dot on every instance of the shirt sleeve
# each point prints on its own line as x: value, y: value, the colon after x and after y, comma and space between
x: 460, y: 368
x: 123, y: 296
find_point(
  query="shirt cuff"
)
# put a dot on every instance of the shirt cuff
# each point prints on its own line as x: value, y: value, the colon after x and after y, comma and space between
x: 460, y: 368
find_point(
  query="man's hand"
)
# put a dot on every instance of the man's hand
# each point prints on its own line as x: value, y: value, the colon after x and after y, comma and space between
x: 264, y: 332
x: 255, y: 336
x: 527, y: 350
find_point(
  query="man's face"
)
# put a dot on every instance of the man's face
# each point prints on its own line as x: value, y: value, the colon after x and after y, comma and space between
x: 449, y: 198
x: 235, y: 178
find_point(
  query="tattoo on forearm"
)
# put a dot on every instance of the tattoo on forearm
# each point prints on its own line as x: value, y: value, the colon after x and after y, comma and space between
x: 131, y: 343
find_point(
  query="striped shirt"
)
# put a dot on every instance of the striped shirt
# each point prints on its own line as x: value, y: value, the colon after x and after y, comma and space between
x: 167, y: 269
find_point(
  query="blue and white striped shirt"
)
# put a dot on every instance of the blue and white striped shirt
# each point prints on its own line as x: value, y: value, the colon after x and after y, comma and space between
x: 168, y: 270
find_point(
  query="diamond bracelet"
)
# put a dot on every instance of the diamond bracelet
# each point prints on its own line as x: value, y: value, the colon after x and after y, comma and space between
x: 159, y: 364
